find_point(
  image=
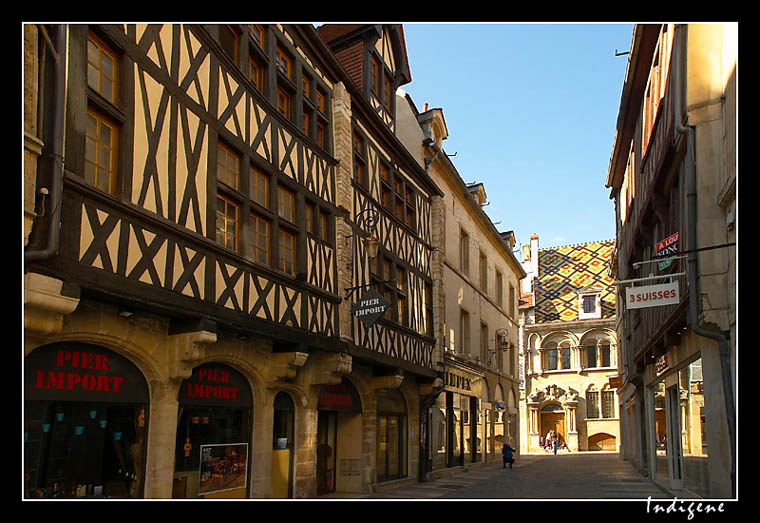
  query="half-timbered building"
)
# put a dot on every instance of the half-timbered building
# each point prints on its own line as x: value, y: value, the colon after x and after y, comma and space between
x: 208, y: 206
x: 388, y: 198
x: 673, y: 176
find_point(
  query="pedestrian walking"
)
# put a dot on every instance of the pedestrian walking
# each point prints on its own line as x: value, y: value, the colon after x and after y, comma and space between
x: 555, y: 443
x: 506, y: 453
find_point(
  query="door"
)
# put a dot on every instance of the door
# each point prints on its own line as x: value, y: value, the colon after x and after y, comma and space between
x: 552, y: 421
x: 673, y: 440
x: 282, y: 452
x: 326, y: 446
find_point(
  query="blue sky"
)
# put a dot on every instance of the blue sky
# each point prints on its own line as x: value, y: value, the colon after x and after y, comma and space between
x: 531, y: 112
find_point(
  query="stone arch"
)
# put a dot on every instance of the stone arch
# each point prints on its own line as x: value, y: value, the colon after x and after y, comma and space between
x: 596, y: 334
x: 559, y: 337
x: 124, y: 337
x: 602, y: 441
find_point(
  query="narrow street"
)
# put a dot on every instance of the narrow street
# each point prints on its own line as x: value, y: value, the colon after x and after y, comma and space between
x: 565, y: 476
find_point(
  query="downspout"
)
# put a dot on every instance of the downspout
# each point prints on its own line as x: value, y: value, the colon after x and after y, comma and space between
x: 55, y: 156
x: 724, y: 348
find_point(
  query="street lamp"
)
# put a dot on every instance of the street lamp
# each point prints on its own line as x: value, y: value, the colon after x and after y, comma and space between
x: 500, y: 339
x: 366, y: 219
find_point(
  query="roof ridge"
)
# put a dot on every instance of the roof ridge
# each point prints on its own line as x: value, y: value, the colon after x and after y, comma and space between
x: 575, y: 244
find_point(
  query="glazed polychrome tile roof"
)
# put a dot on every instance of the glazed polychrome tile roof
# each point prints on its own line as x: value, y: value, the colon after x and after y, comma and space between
x: 563, y: 271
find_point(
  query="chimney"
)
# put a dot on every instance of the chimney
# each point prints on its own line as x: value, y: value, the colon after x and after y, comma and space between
x: 534, y: 254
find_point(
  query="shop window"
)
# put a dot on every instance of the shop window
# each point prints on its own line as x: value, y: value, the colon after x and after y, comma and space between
x: 696, y: 474
x: 212, y: 453
x: 282, y: 446
x: 391, y: 435
x: 86, y: 440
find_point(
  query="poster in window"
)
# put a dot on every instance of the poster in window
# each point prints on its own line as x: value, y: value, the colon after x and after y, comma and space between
x: 223, y: 467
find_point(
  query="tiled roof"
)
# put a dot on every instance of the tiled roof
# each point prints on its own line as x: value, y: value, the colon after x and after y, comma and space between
x: 564, y: 271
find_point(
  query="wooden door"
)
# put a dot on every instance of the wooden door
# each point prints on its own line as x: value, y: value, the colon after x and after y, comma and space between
x: 552, y: 421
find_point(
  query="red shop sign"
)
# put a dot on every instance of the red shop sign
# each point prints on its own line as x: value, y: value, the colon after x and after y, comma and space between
x: 215, y: 385
x: 82, y: 372
x: 342, y: 397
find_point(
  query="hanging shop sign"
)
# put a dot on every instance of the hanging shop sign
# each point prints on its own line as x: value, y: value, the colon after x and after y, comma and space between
x: 370, y: 307
x: 82, y: 372
x: 661, y: 365
x: 616, y: 382
x: 652, y: 295
x: 215, y: 385
x: 223, y: 467
x: 665, y: 248
x: 342, y: 397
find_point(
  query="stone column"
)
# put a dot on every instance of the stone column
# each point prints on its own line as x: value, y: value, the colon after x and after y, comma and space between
x: 162, y: 436
x: 571, y: 407
x: 183, y: 352
x: 534, y: 438
x: 343, y: 152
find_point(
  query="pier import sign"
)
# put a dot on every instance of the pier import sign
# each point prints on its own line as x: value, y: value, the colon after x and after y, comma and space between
x: 370, y: 307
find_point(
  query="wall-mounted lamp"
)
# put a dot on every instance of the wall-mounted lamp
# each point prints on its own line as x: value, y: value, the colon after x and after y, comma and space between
x: 502, y: 344
x: 366, y: 219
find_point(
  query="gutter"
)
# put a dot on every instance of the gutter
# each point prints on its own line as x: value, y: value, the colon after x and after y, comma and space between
x: 55, y: 156
x: 724, y: 349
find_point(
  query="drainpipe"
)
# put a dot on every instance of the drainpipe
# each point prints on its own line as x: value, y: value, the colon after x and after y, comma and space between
x: 55, y: 156
x: 724, y: 348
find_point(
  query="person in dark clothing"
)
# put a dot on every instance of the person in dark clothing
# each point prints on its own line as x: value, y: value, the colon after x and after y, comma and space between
x: 506, y: 453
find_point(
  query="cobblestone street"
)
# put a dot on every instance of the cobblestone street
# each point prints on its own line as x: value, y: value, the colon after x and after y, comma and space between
x: 565, y: 476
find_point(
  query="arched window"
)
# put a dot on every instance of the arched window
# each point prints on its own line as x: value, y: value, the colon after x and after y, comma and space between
x: 592, y: 402
x: 564, y: 353
x: 597, y: 353
x: 550, y: 357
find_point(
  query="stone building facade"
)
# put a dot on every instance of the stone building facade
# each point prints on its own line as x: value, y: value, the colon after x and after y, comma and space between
x: 195, y: 256
x: 673, y: 177
x: 568, y: 348
x: 476, y: 281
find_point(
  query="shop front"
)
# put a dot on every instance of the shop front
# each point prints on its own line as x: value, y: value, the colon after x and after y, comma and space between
x: 213, y: 446
x: 678, y: 436
x: 458, y: 427
x: 339, y: 438
x: 85, y: 423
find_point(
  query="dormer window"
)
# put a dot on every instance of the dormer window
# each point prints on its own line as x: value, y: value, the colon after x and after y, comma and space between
x: 589, y: 304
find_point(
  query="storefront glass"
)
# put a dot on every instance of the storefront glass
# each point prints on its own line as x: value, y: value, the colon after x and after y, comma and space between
x: 282, y: 445
x: 391, y: 440
x: 693, y: 436
x: 660, y: 433
x: 212, y: 453
x: 84, y: 450
x: 457, y: 443
x: 438, y: 433
x: 85, y: 423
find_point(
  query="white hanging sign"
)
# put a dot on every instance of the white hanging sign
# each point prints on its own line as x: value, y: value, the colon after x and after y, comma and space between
x: 652, y: 295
